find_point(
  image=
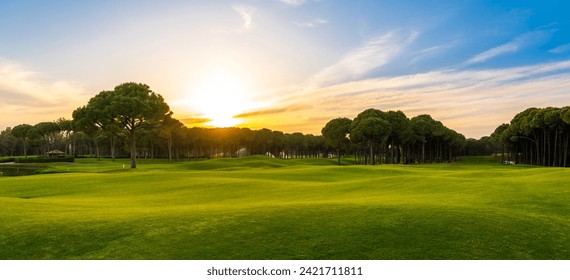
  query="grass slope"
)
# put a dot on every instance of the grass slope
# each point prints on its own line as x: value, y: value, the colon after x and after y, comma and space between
x: 262, y: 208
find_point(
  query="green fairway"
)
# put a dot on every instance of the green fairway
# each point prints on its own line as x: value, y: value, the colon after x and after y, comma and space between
x: 263, y: 208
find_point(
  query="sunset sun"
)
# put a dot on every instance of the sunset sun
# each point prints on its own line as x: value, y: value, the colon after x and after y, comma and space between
x: 220, y: 96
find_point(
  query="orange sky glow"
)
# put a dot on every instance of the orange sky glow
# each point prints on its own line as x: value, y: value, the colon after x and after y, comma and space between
x: 287, y: 65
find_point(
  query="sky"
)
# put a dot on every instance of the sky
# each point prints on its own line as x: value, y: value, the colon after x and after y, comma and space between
x: 288, y: 65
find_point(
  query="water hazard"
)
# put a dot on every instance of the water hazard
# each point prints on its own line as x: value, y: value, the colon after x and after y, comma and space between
x: 19, y: 169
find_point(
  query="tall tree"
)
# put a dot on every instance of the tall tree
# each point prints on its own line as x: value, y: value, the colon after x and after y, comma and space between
x: 498, y: 137
x: 565, y: 116
x: 48, y: 131
x: 336, y: 133
x: 135, y: 107
x: 129, y: 107
x: 8, y: 142
x: 168, y: 129
x: 372, y: 131
x: 422, y: 126
x: 401, y: 132
x: 537, y: 136
x: 21, y: 132
x: 66, y: 127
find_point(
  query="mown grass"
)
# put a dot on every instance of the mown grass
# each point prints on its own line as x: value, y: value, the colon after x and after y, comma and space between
x: 262, y: 208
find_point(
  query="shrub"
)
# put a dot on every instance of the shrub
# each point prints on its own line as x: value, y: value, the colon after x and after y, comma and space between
x: 46, y: 159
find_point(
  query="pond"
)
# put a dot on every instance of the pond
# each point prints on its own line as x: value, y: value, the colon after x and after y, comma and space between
x: 19, y: 169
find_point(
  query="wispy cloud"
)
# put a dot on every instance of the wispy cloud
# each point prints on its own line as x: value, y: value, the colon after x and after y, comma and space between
x: 560, y: 49
x: 373, y: 54
x: 294, y: 2
x: 431, y: 51
x: 522, y: 41
x: 192, y: 121
x: 313, y: 23
x: 272, y: 111
x: 473, y: 102
x: 510, y: 47
x: 246, y: 13
x: 25, y: 92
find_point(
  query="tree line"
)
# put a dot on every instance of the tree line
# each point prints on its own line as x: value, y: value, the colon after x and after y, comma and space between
x: 133, y: 121
x: 538, y: 136
x: 376, y: 137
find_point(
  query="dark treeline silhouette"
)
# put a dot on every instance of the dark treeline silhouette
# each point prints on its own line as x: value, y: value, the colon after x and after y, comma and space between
x: 376, y: 137
x: 537, y: 136
x: 175, y: 143
x: 485, y: 146
x: 132, y: 121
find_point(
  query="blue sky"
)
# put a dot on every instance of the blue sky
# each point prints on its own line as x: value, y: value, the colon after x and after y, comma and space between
x: 289, y: 65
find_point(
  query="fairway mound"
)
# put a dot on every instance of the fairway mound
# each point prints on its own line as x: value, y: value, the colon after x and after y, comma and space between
x: 230, y: 164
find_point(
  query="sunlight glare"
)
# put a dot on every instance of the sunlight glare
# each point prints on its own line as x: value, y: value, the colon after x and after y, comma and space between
x: 220, y: 96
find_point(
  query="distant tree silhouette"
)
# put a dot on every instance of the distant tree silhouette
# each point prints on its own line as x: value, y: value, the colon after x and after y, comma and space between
x: 536, y: 136
x: 336, y: 133
x: 21, y: 132
x: 130, y: 107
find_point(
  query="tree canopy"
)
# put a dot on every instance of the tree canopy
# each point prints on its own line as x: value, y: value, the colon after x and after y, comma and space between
x: 133, y: 114
x: 129, y: 107
x: 336, y: 134
x: 538, y: 136
x: 390, y: 137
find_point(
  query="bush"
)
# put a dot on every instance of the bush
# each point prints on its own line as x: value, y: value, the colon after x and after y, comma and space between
x: 7, y: 159
x: 46, y: 159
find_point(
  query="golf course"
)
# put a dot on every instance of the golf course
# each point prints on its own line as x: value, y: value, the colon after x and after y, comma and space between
x: 259, y: 207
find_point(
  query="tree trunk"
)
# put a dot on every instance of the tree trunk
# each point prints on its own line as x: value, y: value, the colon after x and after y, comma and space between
x: 554, y: 152
x: 113, y: 147
x: 177, y: 153
x: 423, y: 152
x: 169, y: 148
x: 133, y: 150
x: 371, y: 154
x: 503, y: 154
x: 98, y: 154
x: 338, y: 154
x: 531, y: 155
x: 25, y: 149
x: 392, y: 148
x: 544, y: 147
x: 74, y: 146
x: 537, y: 148
x: 566, y: 150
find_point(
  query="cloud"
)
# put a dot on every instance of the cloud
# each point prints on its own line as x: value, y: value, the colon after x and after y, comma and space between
x: 510, y: 47
x: 246, y: 13
x: 443, y: 81
x: 294, y: 2
x: 520, y: 42
x: 431, y: 51
x: 313, y: 23
x: 560, y: 49
x: 473, y: 102
x: 195, y: 120
x: 373, y: 54
x: 272, y: 111
x: 34, y: 97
